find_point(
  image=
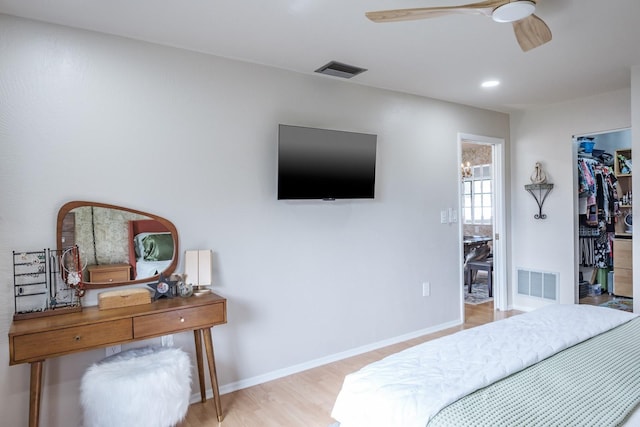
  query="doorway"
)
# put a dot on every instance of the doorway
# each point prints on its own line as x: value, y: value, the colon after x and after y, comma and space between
x: 482, y: 220
x: 603, y: 214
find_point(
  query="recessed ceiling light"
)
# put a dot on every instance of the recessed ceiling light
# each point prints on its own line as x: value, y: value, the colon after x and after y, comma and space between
x: 491, y: 83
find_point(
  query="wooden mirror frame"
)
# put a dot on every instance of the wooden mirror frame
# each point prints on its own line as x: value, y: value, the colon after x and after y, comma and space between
x: 68, y: 207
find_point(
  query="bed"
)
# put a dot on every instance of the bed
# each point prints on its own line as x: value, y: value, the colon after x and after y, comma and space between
x: 151, y: 248
x: 571, y: 365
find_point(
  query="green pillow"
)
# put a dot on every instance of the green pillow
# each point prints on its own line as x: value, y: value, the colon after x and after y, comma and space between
x: 157, y: 247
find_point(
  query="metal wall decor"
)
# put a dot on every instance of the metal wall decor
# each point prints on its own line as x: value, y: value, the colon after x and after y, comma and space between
x: 539, y: 188
x: 539, y: 193
x: 43, y: 282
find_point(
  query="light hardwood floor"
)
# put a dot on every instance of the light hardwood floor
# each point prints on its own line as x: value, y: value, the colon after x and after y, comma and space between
x: 306, y: 399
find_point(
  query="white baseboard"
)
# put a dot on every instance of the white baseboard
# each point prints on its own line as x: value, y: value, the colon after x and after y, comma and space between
x: 522, y: 308
x: 279, y: 373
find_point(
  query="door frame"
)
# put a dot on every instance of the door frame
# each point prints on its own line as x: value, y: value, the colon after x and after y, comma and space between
x: 500, y: 294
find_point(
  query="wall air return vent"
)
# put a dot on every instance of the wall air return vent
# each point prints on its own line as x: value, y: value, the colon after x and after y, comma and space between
x: 338, y: 69
x: 538, y: 284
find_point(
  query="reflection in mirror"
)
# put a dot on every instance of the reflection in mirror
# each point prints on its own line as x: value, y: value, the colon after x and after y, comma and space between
x: 119, y: 246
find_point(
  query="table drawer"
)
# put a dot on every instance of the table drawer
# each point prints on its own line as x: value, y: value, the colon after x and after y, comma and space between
x: 110, y: 273
x: 178, y: 320
x: 110, y: 276
x: 42, y: 345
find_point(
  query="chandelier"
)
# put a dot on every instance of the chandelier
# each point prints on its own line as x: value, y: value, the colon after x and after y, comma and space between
x: 466, y: 170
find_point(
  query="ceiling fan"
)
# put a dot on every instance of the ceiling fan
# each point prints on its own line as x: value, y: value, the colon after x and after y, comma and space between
x: 530, y: 30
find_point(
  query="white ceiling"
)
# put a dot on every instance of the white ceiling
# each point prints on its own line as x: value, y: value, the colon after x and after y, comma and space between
x: 595, y: 42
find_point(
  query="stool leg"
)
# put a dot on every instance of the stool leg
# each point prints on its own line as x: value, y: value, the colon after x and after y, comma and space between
x: 198, y: 342
x: 208, y: 345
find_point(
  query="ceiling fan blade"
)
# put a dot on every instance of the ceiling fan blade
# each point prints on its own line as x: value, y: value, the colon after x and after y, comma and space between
x: 482, y: 8
x: 531, y: 32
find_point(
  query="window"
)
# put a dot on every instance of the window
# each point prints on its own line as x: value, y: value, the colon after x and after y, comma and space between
x: 477, y: 195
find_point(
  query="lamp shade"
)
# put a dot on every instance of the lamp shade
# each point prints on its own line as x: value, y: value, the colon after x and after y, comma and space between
x: 197, y: 266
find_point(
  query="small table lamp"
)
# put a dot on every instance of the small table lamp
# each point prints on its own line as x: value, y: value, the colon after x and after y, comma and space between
x: 197, y: 267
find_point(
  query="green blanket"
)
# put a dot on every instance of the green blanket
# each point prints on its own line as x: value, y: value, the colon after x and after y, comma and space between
x: 594, y: 383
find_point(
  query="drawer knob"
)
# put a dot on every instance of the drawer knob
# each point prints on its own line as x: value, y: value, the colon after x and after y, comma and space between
x: 181, y: 319
x: 76, y: 338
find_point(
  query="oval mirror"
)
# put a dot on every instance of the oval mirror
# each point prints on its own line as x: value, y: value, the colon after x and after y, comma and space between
x: 117, y: 246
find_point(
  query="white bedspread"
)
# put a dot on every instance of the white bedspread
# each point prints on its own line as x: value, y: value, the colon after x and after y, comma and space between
x: 408, y: 388
x: 145, y: 269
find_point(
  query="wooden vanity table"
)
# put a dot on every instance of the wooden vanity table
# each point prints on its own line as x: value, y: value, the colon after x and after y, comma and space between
x: 37, y: 339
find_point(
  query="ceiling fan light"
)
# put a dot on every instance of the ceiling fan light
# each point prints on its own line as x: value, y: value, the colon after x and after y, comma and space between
x: 513, y: 11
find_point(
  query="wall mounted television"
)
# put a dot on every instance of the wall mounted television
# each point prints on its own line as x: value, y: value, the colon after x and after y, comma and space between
x: 325, y: 164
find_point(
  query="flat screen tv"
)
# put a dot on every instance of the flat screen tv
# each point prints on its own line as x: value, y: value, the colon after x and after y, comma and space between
x: 325, y: 164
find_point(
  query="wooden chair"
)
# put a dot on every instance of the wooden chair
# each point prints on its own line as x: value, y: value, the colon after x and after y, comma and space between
x: 472, y: 267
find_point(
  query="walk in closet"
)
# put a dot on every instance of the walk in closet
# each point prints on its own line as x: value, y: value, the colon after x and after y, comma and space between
x: 605, y: 200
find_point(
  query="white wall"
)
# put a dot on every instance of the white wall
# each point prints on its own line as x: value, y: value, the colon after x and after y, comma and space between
x: 192, y: 138
x: 545, y: 135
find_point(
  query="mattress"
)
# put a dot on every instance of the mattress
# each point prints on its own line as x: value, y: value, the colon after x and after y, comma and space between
x: 409, y: 388
x: 593, y: 383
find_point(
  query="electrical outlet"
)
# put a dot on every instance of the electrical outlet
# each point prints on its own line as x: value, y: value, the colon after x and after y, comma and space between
x: 426, y: 289
x: 444, y: 216
x: 114, y: 349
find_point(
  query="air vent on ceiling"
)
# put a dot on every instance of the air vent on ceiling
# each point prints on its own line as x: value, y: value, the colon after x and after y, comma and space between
x: 338, y: 69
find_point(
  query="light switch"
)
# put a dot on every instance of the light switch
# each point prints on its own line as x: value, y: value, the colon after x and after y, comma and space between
x: 453, y: 215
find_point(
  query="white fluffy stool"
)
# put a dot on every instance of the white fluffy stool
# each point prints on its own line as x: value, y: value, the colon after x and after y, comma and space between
x: 141, y: 387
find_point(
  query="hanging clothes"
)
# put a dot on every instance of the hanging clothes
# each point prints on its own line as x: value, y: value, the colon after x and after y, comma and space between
x: 603, y: 250
x: 587, y: 181
x: 599, y: 208
x: 597, y: 183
